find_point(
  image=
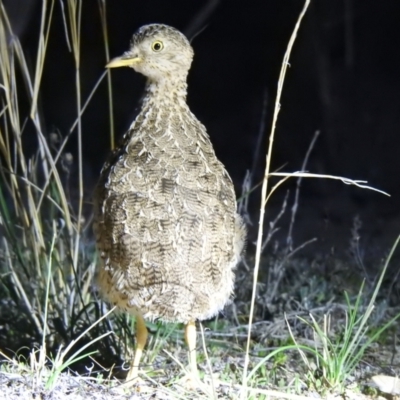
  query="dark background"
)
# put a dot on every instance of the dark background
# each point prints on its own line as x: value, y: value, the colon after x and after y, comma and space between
x: 343, y: 81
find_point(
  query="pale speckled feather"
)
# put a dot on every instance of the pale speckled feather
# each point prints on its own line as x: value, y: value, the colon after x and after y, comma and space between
x: 165, y: 211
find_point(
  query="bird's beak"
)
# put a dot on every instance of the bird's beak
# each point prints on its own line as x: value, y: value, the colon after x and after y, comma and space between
x: 126, y: 60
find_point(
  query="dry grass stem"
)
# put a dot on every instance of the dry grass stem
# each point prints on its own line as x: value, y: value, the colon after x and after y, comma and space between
x: 264, y: 188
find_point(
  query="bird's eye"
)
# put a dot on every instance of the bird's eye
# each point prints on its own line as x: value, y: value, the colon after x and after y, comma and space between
x: 157, y: 45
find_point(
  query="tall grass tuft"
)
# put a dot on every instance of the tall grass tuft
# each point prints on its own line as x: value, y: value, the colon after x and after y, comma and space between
x: 46, y: 261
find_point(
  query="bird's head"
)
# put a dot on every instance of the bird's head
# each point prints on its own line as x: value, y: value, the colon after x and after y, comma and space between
x: 159, y: 52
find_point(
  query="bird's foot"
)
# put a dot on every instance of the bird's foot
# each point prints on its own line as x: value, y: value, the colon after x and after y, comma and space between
x: 190, y: 381
x: 133, y: 381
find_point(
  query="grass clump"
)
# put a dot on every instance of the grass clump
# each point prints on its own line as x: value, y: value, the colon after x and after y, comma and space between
x: 337, y: 357
x: 333, y: 345
x: 47, y: 263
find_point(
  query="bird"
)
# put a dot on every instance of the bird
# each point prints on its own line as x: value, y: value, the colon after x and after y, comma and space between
x: 165, y: 219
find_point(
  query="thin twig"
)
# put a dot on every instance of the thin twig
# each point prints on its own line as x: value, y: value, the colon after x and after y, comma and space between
x: 289, y: 240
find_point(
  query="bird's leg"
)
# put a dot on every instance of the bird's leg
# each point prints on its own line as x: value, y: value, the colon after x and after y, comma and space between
x: 141, y: 338
x: 190, y: 337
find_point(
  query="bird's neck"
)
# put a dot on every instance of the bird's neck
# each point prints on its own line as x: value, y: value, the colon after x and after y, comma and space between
x: 162, y: 91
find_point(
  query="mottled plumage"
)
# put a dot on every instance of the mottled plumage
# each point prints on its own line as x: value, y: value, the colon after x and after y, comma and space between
x: 165, y: 209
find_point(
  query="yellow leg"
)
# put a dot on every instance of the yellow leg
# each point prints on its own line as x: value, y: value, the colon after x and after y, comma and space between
x: 190, y: 337
x: 141, y: 339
